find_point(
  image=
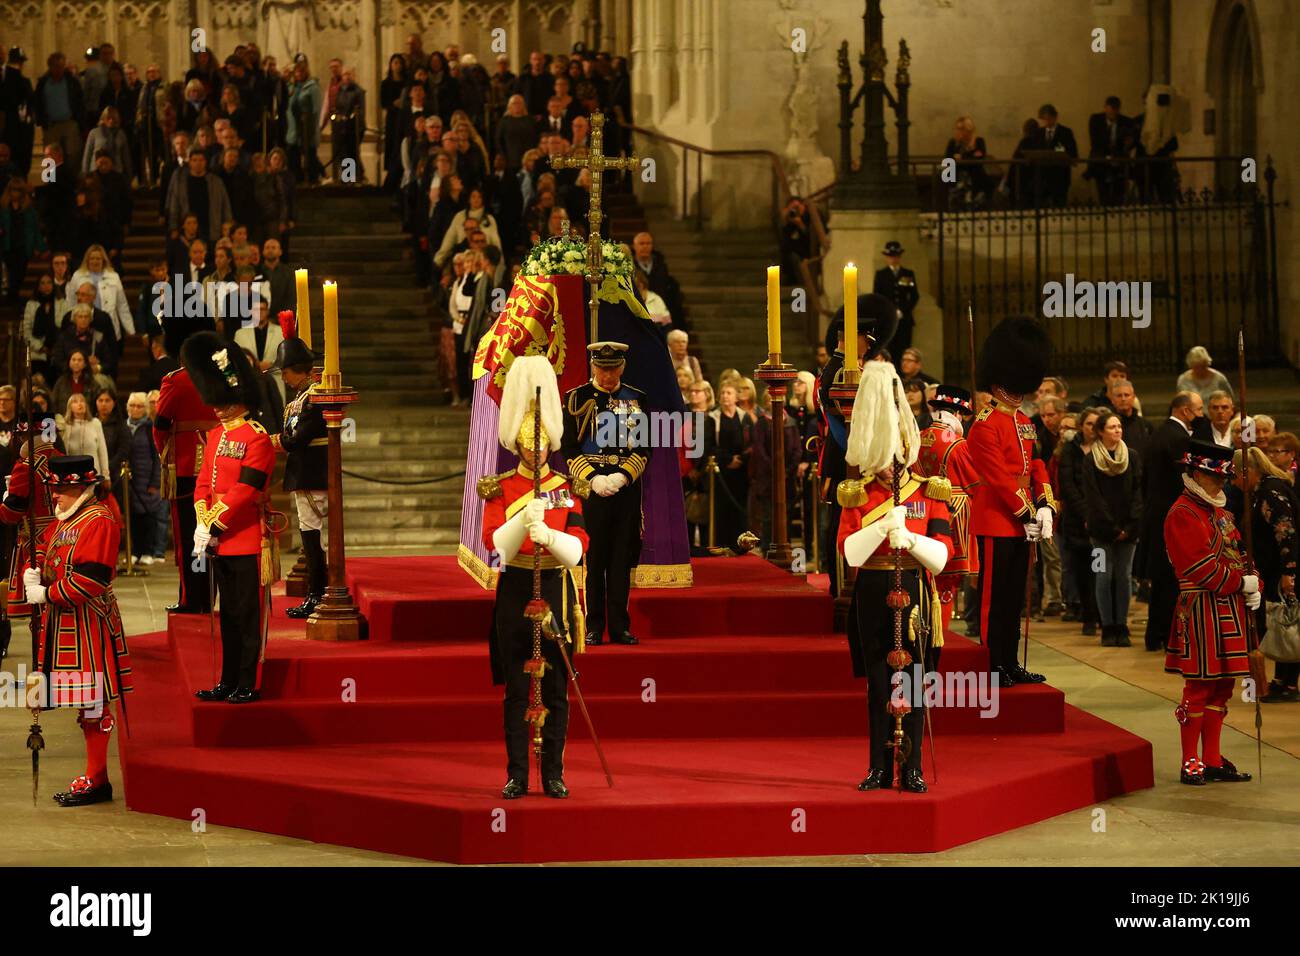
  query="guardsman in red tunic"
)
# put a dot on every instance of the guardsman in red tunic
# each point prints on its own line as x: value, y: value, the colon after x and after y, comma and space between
x: 19, y: 495
x: 1013, y: 504
x: 229, y: 506
x: 515, y: 523
x: 1208, y: 643
x: 945, y: 455
x: 181, y: 422
x: 83, y: 654
x: 872, y: 532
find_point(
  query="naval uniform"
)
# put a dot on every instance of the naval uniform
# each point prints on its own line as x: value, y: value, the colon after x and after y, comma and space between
x: 305, y: 440
x: 511, y: 637
x: 900, y: 289
x: 614, y: 520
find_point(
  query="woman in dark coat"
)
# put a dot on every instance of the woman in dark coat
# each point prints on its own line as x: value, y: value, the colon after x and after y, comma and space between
x: 146, y: 478
x: 115, y: 434
x: 1112, y: 487
x: 734, y: 429
x: 391, y: 89
x: 1076, y: 550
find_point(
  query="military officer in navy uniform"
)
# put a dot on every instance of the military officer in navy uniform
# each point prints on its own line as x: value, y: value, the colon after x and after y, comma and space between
x: 601, y: 447
x: 898, y: 284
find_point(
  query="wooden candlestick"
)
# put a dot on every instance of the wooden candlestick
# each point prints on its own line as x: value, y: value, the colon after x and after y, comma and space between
x: 778, y: 377
x: 336, y: 618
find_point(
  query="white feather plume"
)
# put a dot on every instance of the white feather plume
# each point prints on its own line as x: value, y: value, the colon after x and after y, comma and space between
x: 881, y: 420
x: 527, y: 372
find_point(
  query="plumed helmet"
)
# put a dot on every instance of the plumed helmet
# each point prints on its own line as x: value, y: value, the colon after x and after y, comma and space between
x: 518, y: 399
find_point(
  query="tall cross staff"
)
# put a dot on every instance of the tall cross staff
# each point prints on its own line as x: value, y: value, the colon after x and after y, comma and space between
x: 596, y: 161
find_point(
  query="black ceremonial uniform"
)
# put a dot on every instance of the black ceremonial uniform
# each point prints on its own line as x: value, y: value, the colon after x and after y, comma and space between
x: 613, y: 521
x: 305, y: 441
x: 901, y: 290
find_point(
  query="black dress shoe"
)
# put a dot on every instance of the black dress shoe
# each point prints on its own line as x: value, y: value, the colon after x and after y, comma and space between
x: 1089, y: 630
x: 913, y: 782
x: 876, y: 780
x: 1022, y: 676
x: 1226, y: 773
x: 81, y: 798
x: 184, y: 609
x: 243, y: 695
x: 513, y: 790
x: 555, y: 788
x: 1123, y: 638
x: 306, y: 608
x: 594, y: 639
x: 220, y: 692
x: 1001, y: 677
x: 624, y: 638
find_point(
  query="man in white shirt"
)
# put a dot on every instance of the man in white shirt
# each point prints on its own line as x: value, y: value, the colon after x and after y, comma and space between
x: 1221, y: 415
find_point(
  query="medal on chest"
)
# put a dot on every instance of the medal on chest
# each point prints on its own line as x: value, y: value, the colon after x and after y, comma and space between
x: 231, y: 449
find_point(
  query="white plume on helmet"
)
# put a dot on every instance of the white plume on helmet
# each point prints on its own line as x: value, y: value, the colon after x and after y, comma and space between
x: 527, y: 372
x: 881, y: 419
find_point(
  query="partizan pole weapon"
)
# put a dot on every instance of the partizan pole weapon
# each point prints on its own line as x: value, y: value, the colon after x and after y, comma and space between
x: 536, y: 609
x: 1254, y: 656
x: 35, y: 739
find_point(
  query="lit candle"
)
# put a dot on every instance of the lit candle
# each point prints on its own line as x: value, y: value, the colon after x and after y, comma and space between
x: 774, y: 310
x: 304, y: 307
x: 331, y: 291
x: 851, y: 318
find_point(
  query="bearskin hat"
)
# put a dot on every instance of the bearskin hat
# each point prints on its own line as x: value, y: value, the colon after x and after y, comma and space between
x: 877, y: 318
x: 1015, y: 356
x: 221, y: 371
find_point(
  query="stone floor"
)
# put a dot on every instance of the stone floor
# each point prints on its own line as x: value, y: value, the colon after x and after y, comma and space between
x: 1244, y: 824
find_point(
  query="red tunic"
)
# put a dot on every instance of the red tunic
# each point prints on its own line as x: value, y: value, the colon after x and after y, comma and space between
x: 231, y: 490
x: 13, y: 510
x: 925, y: 515
x: 1208, y: 639
x: 563, y: 510
x: 83, y: 645
x: 181, y: 422
x: 1013, y: 483
x: 945, y: 454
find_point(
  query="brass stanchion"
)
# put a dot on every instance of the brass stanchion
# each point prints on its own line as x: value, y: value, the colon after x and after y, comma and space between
x: 132, y: 569
x: 815, y: 482
x: 712, y: 468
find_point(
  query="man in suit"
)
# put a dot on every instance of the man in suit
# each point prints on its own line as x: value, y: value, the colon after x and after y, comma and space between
x: 160, y: 365
x: 556, y: 119
x: 262, y: 337
x: 1110, y: 136
x: 1055, y: 178
x: 18, y: 99
x: 898, y: 284
x: 650, y: 262
x: 1162, y: 470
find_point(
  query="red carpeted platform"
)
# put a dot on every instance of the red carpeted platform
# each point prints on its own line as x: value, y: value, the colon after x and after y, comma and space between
x: 734, y: 729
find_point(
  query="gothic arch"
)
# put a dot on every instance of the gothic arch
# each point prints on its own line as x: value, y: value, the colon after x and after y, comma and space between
x: 1234, y: 75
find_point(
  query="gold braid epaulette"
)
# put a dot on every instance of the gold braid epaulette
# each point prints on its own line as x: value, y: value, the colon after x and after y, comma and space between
x: 851, y: 493
x: 580, y: 487
x: 938, y: 489
x: 489, y: 486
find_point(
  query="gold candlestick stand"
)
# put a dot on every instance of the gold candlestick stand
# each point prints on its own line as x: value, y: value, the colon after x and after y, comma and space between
x: 336, y: 618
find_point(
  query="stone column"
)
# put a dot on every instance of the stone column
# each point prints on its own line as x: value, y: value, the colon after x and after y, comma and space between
x: 1158, y: 27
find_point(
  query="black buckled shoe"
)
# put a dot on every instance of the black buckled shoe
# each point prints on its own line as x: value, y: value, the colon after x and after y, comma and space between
x: 83, y: 793
x: 1001, y: 677
x: 243, y: 695
x: 876, y: 779
x: 1226, y: 772
x: 1022, y: 676
x: 184, y: 609
x: 1193, y: 773
x: 594, y: 639
x: 912, y: 781
x: 513, y: 790
x: 624, y: 638
x: 306, y: 608
x: 220, y: 692
x: 555, y: 788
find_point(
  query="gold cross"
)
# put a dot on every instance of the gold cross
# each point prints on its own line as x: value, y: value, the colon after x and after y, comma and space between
x: 595, y: 160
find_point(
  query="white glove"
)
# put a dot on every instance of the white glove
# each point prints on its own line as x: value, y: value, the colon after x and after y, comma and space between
x: 539, y: 533
x: 534, y: 511
x: 901, y: 539
x: 201, y: 538
x: 618, y: 480
x: 7, y: 477
x: 1033, y: 530
x: 1249, y: 583
x: 32, y: 585
x: 1253, y: 599
x: 895, y: 519
x: 1046, y: 519
x: 601, y: 485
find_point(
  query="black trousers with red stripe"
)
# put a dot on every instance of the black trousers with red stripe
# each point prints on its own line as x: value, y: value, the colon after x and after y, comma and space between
x: 1004, y: 564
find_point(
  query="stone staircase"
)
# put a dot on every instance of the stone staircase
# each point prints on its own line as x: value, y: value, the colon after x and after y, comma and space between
x: 723, y: 279
x: 405, y: 431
